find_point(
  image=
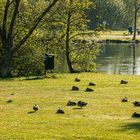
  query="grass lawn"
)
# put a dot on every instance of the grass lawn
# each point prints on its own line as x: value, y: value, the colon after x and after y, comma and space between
x: 104, y: 118
x: 113, y: 36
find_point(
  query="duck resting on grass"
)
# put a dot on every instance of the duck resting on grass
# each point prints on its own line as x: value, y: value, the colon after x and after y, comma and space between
x: 89, y: 90
x: 60, y: 111
x: 77, y: 80
x: 75, y: 88
x: 125, y: 99
x: 136, y: 115
x: 70, y: 103
x: 124, y: 82
x: 9, y: 101
x: 91, y: 84
x: 81, y: 104
x: 35, y: 107
x: 136, y: 103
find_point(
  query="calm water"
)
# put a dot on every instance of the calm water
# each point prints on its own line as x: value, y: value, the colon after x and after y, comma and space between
x: 114, y: 59
x: 119, y: 59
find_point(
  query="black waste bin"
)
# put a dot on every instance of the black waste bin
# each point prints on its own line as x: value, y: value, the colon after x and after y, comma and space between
x: 49, y: 62
x: 130, y: 30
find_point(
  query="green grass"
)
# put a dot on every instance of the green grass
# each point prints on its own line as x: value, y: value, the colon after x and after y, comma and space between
x: 117, y: 35
x: 104, y: 118
x: 112, y: 36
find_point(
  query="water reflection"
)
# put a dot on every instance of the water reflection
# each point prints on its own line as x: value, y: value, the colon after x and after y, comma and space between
x: 119, y: 59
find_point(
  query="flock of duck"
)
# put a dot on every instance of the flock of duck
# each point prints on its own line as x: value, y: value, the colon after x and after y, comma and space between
x: 71, y: 103
x: 82, y: 104
x: 60, y: 111
x: 136, y: 103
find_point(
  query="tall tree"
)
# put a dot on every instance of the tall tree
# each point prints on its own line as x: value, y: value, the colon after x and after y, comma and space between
x: 74, y: 24
x: 7, y: 31
x: 136, y: 10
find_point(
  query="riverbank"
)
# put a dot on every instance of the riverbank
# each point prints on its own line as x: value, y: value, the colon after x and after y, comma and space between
x: 116, y: 37
x: 104, y: 118
x: 111, y: 37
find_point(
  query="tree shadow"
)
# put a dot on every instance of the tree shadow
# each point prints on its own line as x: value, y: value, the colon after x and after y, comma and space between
x: 7, y: 79
x: 34, y: 78
x: 131, y: 126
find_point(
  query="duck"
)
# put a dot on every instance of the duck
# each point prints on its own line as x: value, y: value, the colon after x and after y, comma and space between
x: 60, y: 111
x: 92, y: 84
x: 75, y: 88
x: 35, y: 107
x: 9, y: 101
x: 81, y: 104
x: 124, y: 82
x: 136, y: 103
x: 88, y: 90
x: 135, y: 114
x: 70, y: 103
x: 125, y: 99
x: 77, y: 80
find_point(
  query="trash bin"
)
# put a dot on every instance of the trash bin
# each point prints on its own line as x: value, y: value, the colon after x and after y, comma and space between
x: 130, y: 30
x: 49, y: 62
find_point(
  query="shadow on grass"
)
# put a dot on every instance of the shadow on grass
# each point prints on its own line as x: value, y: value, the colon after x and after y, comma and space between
x: 7, y: 79
x: 77, y: 108
x: 35, y: 78
x: 30, y: 112
x: 131, y: 126
x: 41, y: 77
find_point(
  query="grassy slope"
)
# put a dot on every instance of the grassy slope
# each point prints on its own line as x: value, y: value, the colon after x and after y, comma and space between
x: 104, y: 118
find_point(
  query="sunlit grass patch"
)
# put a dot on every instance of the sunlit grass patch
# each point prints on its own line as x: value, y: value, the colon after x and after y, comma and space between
x: 105, y: 117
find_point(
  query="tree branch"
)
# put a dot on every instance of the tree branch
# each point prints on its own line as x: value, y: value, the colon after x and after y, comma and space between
x: 13, y: 20
x: 37, y: 21
x: 85, y: 33
x: 5, y: 16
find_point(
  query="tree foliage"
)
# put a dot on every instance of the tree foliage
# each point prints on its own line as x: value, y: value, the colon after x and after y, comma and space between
x: 74, y: 22
x: 16, y: 29
x: 29, y: 34
x: 118, y: 14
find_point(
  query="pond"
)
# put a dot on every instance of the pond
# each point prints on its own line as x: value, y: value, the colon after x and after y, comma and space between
x: 119, y: 59
x: 114, y: 59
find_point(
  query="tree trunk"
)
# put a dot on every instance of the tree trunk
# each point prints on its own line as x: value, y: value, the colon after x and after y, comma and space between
x: 6, y: 63
x: 67, y: 44
x: 6, y: 66
x: 6, y: 58
x: 135, y: 21
x: 67, y: 41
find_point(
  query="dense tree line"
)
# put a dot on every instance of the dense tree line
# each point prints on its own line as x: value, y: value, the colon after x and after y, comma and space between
x: 116, y: 14
x: 31, y: 28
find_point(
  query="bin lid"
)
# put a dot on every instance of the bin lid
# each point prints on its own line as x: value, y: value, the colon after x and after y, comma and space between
x: 49, y: 54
